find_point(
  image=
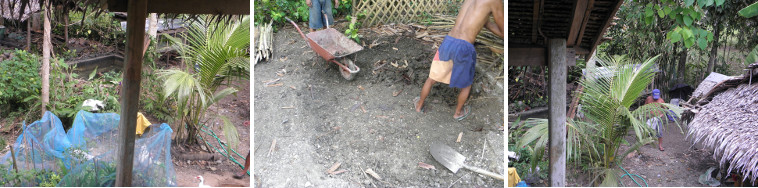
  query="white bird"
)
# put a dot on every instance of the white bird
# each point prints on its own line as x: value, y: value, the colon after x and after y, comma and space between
x: 201, y: 182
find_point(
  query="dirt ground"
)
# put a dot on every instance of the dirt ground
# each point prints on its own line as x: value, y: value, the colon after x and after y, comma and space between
x: 218, y: 173
x: 680, y: 165
x: 307, y: 118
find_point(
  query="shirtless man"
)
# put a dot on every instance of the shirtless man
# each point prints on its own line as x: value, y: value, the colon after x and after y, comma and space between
x: 454, y: 61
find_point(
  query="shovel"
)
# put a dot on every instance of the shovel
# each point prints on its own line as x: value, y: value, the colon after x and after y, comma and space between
x: 453, y: 160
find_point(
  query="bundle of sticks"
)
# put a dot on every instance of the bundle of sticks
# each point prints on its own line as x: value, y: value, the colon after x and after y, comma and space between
x: 263, y: 42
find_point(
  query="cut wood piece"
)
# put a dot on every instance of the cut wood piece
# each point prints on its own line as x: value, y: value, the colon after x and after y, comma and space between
x: 333, y: 168
x: 273, y: 145
x: 338, y: 172
x: 426, y: 166
x: 459, y: 137
x: 373, y: 174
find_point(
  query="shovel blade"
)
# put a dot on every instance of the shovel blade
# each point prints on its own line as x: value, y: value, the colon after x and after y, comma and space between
x: 447, y: 156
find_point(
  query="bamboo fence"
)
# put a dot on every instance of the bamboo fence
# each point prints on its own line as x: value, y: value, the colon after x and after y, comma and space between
x: 402, y: 11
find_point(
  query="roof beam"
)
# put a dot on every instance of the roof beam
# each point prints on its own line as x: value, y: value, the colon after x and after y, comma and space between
x: 587, y: 13
x: 608, y: 20
x: 579, y: 11
x: 535, y: 20
x: 236, y: 7
x: 536, y: 56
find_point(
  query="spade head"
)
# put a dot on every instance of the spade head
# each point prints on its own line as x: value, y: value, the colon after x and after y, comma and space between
x: 446, y: 156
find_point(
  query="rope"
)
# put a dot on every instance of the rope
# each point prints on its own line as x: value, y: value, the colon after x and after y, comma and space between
x: 227, y: 155
x: 630, y: 176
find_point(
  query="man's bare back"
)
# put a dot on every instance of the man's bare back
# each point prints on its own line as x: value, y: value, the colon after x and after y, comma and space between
x: 474, y: 14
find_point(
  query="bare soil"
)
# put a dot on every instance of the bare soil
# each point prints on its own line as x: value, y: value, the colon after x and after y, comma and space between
x: 308, y: 118
x: 680, y: 165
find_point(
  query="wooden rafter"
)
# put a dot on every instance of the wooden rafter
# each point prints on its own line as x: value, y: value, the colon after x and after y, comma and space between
x: 607, y: 22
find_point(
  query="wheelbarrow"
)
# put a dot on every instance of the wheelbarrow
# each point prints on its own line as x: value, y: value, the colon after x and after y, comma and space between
x: 333, y: 46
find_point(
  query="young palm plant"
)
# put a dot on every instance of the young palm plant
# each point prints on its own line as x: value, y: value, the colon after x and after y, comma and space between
x: 215, y: 54
x: 609, y: 92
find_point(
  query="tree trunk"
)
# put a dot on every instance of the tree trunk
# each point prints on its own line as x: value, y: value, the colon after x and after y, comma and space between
x: 28, y: 35
x: 682, y: 65
x: 152, y: 29
x: 714, y: 49
x: 46, y: 59
x: 65, y: 28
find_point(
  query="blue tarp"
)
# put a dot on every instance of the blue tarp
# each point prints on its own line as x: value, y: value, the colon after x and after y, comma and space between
x: 91, y: 140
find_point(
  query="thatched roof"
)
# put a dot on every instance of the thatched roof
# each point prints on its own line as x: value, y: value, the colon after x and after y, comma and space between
x: 11, y: 9
x: 728, y: 123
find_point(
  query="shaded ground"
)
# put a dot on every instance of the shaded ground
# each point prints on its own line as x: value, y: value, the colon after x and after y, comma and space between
x: 680, y: 165
x: 216, y: 173
x: 316, y: 119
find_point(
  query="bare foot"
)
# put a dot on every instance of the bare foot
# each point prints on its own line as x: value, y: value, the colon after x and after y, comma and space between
x: 418, y: 104
x: 660, y: 148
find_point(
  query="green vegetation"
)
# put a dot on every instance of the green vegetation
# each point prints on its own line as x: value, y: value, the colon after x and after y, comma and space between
x: 276, y: 10
x: 606, y: 103
x: 214, y: 56
x: 24, y: 81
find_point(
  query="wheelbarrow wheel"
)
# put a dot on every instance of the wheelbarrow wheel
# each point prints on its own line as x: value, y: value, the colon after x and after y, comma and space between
x: 349, y: 64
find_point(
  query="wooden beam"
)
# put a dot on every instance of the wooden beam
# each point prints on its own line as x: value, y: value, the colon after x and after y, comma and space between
x: 587, y: 13
x: 557, y: 112
x: 132, y: 73
x: 535, y: 20
x: 535, y: 56
x: 608, y: 21
x: 579, y: 11
x: 237, y: 7
x: 526, y: 57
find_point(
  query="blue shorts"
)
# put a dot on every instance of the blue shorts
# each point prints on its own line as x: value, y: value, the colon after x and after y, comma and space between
x: 316, y: 18
x: 454, y: 63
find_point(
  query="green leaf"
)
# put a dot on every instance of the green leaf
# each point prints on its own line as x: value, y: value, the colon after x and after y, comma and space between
x: 648, y: 12
x: 660, y: 13
x: 686, y: 33
x: 687, y: 20
x: 752, y: 57
x: 92, y: 75
x: 688, y: 2
x: 649, y: 20
x: 702, y: 43
x: 674, y: 36
x: 700, y: 3
x: 679, y: 19
x: 720, y: 2
x: 749, y: 11
x: 710, y: 36
x: 666, y: 10
x: 689, y: 42
x: 708, y: 3
x: 230, y: 133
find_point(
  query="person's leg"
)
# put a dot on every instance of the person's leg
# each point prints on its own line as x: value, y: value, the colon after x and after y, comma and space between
x: 328, y: 4
x: 660, y: 135
x: 425, y: 92
x: 462, y: 97
x: 314, y: 16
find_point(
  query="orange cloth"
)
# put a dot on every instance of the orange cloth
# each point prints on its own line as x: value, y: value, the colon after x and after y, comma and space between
x: 441, y: 70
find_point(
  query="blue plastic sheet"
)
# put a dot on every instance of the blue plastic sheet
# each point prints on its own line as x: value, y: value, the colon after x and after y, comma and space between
x: 88, y: 151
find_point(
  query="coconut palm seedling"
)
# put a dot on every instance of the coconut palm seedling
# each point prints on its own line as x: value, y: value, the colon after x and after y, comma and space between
x: 216, y: 53
x: 609, y: 92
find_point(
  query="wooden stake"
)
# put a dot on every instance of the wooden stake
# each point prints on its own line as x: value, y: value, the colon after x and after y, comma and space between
x: 13, y: 155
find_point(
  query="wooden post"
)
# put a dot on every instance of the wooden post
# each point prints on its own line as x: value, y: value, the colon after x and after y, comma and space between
x: 557, y: 111
x: 13, y: 156
x: 135, y: 33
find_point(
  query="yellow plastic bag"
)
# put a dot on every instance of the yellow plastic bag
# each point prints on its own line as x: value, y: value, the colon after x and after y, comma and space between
x: 513, y: 178
x: 142, y: 123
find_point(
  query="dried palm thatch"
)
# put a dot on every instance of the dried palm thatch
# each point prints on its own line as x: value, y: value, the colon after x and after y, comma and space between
x: 727, y: 124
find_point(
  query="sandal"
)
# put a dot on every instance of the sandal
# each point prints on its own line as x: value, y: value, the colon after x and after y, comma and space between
x: 415, y: 105
x: 466, y: 112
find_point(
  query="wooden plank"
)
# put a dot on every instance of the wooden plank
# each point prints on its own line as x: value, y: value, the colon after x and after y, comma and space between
x: 238, y: 7
x: 609, y: 18
x: 582, y: 28
x: 535, y: 56
x: 579, y: 11
x: 557, y: 112
x: 135, y: 33
x: 526, y: 57
x: 535, y: 20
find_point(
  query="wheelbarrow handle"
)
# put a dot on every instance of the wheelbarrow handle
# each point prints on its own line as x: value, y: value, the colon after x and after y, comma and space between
x: 296, y: 27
